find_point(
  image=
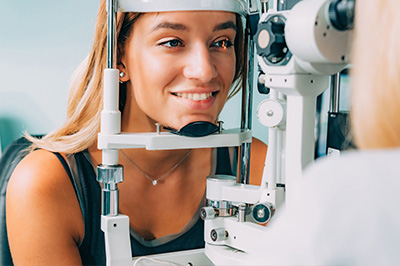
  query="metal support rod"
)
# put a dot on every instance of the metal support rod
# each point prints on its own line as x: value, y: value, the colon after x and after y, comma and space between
x: 335, y: 93
x: 110, y: 195
x: 111, y: 32
x: 264, y: 6
x: 110, y: 176
x: 246, y: 121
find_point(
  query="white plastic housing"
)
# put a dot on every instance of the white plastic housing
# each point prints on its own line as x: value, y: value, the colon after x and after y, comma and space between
x: 118, y: 243
x: 111, y: 116
x: 271, y: 113
x: 316, y: 47
x: 235, y: 6
x: 169, y: 141
x: 215, y: 185
x: 312, y: 38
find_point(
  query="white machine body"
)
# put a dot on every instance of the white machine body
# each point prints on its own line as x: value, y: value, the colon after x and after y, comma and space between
x: 236, y: 6
x: 236, y: 215
x: 317, y: 50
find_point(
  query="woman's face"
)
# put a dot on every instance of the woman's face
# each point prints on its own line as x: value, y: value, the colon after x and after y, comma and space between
x: 179, y: 67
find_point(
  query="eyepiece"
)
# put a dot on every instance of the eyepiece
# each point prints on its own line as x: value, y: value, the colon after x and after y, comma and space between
x: 341, y: 14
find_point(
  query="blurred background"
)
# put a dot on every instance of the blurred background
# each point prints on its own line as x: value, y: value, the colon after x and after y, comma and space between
x: 42, y: 42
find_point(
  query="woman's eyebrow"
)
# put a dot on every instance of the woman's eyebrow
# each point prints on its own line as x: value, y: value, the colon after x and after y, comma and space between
x: 177, y: 26
x: 169, y: 25
x: 226, y: 25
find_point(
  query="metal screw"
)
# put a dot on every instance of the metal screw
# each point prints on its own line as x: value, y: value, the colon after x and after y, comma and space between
x: 158, y: 128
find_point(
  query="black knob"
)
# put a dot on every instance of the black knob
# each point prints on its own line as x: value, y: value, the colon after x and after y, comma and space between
x: 341, y: 14
x: 270, y: 40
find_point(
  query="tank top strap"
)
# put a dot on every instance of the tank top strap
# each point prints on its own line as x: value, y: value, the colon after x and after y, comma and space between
x: 67, y: 170
x: 225, y: 160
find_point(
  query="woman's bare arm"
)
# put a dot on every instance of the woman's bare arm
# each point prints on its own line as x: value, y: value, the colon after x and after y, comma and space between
x: 44, y: 221
x: 257, y: 160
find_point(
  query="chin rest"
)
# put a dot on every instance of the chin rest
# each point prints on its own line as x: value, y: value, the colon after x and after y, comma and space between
x: 13, y: 154
x: 195, y: 129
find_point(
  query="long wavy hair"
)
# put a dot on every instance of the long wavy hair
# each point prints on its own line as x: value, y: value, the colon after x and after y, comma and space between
x: 375, y: 76
x: 85, y: 101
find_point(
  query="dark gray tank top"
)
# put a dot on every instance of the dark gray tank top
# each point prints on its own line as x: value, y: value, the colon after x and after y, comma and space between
x: 92, y: 248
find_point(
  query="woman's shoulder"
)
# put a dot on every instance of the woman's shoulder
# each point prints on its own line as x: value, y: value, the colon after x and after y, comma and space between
x: 40, y: 169
x: 40, y: 178
x: 41, y: 197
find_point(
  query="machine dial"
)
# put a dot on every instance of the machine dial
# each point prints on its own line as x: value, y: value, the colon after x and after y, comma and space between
x: 263, y: 212
x: 270, y: 41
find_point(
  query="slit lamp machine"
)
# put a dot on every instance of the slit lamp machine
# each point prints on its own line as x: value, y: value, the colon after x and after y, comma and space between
x: 298, y: 51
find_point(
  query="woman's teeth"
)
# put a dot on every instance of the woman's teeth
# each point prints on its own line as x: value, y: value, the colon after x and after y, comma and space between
x: 194, y: 96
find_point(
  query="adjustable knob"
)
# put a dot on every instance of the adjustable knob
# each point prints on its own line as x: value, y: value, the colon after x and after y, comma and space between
x: 207, y: 213
x: 218, y: 235
x: 270, y: 40
x: 272, y: 113
x: 263, y: 212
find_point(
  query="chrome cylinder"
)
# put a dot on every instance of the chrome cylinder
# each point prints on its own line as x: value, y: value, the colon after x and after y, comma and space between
x: 109, y: 200
x: 222, y: 208
x: 111, y: 33
x: 242, y: 213
x: 335, y: 93
x: 109, y: 176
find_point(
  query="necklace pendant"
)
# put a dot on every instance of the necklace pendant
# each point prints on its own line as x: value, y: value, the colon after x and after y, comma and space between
x: 154, y: 182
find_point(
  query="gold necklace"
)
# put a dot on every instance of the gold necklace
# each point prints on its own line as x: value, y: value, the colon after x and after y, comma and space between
x: 155, y: 181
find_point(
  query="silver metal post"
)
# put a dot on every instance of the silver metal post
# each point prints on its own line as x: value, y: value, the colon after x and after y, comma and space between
x: 335, y: 93
x: 111, y: 32
x: 264, y: 6
x: 246, y: 122
x: 110, y: 175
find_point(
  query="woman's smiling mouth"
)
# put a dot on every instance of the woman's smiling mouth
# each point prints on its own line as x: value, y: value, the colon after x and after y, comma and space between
x: 195, y: 96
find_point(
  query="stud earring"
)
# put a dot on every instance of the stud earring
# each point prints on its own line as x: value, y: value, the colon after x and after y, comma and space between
x: 122, y: 74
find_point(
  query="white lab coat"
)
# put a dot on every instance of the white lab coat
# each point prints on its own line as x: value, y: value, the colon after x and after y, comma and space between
x: 346, y: 212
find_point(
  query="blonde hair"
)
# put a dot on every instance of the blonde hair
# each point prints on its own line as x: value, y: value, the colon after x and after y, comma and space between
x: 375, y: 111
x: 85, y: 101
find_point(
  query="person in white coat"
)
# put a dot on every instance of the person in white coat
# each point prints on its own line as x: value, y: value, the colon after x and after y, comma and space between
x: 346, y: 210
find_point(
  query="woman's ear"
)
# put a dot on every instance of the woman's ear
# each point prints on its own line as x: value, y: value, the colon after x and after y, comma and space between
x: 123, y: 72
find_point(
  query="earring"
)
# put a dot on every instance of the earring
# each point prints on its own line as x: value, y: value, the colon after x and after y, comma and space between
x: 122, y: 74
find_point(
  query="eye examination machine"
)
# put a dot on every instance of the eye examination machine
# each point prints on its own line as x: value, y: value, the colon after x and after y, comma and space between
x: 294, y: 50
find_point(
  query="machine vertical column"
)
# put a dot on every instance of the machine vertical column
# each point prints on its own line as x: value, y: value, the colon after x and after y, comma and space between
x: 246, y: 122
x: 110, y: 173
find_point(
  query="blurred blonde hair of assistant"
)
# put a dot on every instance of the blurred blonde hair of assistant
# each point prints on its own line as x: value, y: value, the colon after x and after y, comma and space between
x: 375, y: 80
x: 85, y: 101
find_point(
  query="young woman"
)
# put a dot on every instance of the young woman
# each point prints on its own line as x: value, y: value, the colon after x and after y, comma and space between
x: 175, y: 68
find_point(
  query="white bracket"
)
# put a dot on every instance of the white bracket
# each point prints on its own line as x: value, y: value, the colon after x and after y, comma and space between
x: 118, y: 243
x: 170, y: 141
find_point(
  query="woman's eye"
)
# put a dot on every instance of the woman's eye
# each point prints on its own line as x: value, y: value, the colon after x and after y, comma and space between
x: 224, y: 44
x: 172, y: 43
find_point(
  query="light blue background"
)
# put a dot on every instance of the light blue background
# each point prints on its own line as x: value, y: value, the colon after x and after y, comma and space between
x: 41, y: 44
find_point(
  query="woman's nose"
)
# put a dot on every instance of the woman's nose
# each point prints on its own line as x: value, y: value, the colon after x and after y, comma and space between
x: 200, y: 65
